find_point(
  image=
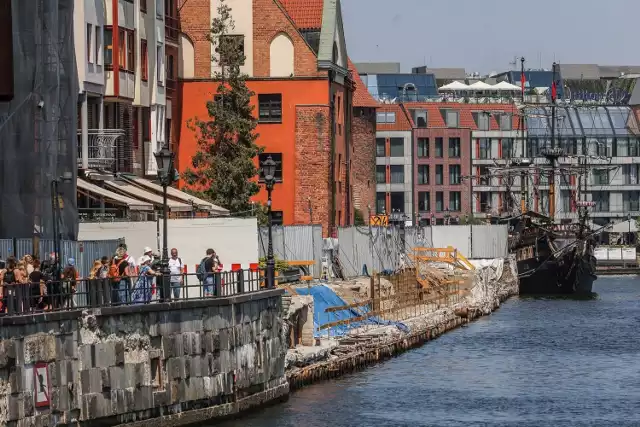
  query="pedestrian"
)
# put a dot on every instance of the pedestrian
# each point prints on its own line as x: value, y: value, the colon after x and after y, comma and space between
x: 8, y: 280
x: 119, y: 272
x: 70, y: 277
x: 38, y: 288
x: 141, y: 293
x: 177, y: 279
x: 206, y: 270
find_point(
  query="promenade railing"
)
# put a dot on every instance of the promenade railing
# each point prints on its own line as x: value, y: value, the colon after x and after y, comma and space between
x: 65, y: 295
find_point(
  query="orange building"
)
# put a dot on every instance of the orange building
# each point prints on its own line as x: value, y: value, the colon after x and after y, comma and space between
x: 307, y: 101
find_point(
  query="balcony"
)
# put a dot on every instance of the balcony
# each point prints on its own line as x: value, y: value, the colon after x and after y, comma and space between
x: 102, y: 152
x: 171, y: 31
x: 171, y: 85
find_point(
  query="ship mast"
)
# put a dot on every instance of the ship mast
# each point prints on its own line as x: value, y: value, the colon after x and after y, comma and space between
x: 523, y: 174
x: 553, y: 154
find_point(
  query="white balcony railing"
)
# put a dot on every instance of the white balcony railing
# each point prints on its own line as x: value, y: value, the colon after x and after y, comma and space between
x: 101, y: 150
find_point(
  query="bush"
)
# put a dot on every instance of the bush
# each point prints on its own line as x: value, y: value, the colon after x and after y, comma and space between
x: 281, y: 265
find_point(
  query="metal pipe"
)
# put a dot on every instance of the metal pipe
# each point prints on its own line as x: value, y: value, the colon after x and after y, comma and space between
x: 271, y: 264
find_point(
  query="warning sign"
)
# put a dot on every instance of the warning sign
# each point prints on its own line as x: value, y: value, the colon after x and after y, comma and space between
x: 41, y: 385
x: 379, y: 220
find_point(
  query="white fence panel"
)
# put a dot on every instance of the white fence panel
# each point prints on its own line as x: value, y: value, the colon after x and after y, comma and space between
x: 417, y: 237
x: 458, y: 236
x: 489, y: 241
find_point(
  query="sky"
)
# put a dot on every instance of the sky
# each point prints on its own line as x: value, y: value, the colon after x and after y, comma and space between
x: 486, y: 35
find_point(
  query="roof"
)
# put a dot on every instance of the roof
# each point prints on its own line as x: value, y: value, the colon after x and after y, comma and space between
x: 361, y: 96
x: 123, y: 187
x: 306, y: 14
x: 435, y: 118
x: 133, y: 204
x: 377, y: 67
x: 402, y: 122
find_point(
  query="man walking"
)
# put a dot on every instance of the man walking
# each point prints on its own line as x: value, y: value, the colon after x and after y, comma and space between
x: 176, y: 266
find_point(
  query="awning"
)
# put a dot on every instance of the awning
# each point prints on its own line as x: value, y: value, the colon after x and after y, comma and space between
x: 124, y: 187
x: 133, y: 204
x: 454, y: 85
x: 507, y: 86
x: 177, y: 194
x: 480, y: 85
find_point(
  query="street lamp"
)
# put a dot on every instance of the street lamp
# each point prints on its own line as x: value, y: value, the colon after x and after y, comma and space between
x: 629, y: 233
x: 164, y: 159
x: 66, y: 177
x: 268, y: 173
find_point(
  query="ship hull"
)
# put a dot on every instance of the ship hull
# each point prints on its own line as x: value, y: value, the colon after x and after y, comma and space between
x: 567, y: 276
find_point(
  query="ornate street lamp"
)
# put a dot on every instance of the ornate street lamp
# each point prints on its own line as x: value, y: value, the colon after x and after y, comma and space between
x: 164, y: 159
x: 269, y: 175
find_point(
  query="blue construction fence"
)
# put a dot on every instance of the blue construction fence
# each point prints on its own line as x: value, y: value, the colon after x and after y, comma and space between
x: 84, y: 252
x: 324, y: 297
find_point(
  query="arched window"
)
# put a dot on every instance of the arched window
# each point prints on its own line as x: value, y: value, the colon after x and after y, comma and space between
x: 281, y: 54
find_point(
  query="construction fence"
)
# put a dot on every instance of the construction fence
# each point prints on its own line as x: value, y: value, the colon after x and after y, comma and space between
x: 364, y: 250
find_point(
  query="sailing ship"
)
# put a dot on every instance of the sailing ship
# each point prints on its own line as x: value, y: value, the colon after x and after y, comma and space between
x: 551, y: 258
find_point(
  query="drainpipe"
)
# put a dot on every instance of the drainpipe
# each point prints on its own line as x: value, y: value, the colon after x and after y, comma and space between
x: 332, y: 168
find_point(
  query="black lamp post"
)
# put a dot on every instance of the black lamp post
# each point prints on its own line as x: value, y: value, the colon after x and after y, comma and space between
x: 164, y: 159
x: 268, y: 173
x: 67, y: 177
x: 629, y: 233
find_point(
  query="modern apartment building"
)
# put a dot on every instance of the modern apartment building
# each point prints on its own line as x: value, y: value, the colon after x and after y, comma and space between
x: 315, y: 117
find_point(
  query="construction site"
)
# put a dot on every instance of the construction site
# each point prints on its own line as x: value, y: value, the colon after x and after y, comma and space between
x: 335, y: 326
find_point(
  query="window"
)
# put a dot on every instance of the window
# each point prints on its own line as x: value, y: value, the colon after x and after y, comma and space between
x: 423, y: 174
x: 601, y: 198
x: 108, y: 46
x: 439, y: 149
x: 146, y: 124
x: 507, y: 148
x: 484, y: 175
x: 386, y: 117
x: 270, y: 108
x: 397, y: 202
x: 485, y: 148
x: 600, y: 177
x: 485, y: 201
x: 143, y: 6
x: 277, y: 218
x: 455, y: 201
x: 159, y: 8
x: 89, y: 40
x: 455, y: 172
x: 381, y: 203
x: 122, y: 48
x: 381, y: 174
x: 277, y: 158
x: 419, y: 118
x: 439, y: 201
x: 170, y: 75
x: 396, y: 147
x: 631, y: 174
x: 423, y: 147
x: 424, y: 204
x: 565, y: 200
x: 159, y: 68
x: 631, y: 201
x: 397, y: 174
x: 144, y: 59
x: 231, y: 50
x: 634, y: 147
x: 380, y: 147
x: 482, y: 119
x: 621, y: 147
x: 439, y: 174
x: 454, y: 147
x: 98, y: 45
x: 131, y: 58
x: 505, y: 121
x: 452, y: 118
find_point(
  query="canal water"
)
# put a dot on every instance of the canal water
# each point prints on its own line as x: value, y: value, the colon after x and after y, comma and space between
x: 535, y: 362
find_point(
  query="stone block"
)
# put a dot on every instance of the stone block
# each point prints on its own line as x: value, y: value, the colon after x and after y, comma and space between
x: 29, y: 403
x: 15, y: 408
x: 39, y: 348
x: 118, y: 402
x: 43, y: 420
x: 186, y: 343
x: 161, y: 399
x: 106, y: 380
x: 187, y: 366
x: 215, y: 367
x: 130, y: 375
x: 85, y: 356
x: 176, y: 368
x: 119, y: 348
x: 143, y: 374
x: 117, y: 377
x: 196, y: 389
x: 60, y: 399
x: 225, y: 361
x: 66, y: 347
x: 196, y: 346
x: 7, y: 347
x: 208, y: 384
x: 16, y: 379
x: 105, y: 354
x: 175, y: 395
x: 91, y: 380
x: 195, y: 367
x: 129, y: 398
x: 155, y: 353
x: 143, y: 398
x: 224, y: 339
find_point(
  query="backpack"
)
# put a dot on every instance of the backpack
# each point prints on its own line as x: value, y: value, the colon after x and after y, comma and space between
x: 201, y: 272
x: 114, y: 269
x: 9, y: 277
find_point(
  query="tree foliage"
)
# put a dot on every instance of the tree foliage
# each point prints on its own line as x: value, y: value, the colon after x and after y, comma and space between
x: 223, y: 166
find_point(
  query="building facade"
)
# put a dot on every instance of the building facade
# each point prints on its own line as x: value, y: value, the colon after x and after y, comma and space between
x: 297, y: 65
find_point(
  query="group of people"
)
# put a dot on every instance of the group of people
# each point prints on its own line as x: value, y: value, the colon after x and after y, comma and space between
x: 120, y: 279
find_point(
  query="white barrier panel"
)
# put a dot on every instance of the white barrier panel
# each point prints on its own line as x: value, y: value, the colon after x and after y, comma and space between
x: 601, y: 254
x: 629, y: 254
x: 614, y: 254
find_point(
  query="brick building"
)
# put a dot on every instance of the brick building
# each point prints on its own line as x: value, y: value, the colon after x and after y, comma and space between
x: 298, y: 67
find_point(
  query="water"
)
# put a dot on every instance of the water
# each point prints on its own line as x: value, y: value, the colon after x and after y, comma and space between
x: 534, y: 362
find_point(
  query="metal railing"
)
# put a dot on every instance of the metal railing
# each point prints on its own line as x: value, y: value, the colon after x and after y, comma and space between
x: 101, y: 146
x: 80, y: 294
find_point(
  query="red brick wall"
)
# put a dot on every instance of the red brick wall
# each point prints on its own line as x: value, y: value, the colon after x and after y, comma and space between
x: 313, y: 151
x: 364, y: 159
x: 464, y: 160
x: 195, y: 22
x: 268, y: 21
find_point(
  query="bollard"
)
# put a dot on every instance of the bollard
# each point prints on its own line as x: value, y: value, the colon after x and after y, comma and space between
x: 240, y: 281
x: 217, y: 282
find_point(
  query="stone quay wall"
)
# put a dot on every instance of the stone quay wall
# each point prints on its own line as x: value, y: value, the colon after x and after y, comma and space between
x: 164, y: 364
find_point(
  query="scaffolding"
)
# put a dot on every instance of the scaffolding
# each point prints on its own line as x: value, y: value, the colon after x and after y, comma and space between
x: 38, y: 127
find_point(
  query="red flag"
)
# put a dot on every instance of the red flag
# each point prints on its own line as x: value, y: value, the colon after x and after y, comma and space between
x: 523, y: 80
x: 554, y: 91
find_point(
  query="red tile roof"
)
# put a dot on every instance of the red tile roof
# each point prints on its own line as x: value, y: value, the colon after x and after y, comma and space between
x: 306, y: 14
x: 361, y: 96
x: 402, y: 121
x: 435, y: 118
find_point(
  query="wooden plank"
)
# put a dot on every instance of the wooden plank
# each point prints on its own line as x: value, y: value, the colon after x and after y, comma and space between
x: 346, y: 307
x: 307, y: 278
x: 301, y: 262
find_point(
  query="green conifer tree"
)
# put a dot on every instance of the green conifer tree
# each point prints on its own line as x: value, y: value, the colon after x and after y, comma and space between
x: 222, y: 168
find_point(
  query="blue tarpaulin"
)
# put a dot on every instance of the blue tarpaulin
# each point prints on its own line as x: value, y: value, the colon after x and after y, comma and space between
x: 323, y: 297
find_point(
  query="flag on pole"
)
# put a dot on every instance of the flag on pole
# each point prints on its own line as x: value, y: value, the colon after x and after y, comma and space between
x: 554, y: 91
x: 523, y: 81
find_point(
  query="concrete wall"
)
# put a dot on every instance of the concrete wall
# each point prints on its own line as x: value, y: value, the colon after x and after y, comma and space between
x: 234, y: 239
x: 183, y: 362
